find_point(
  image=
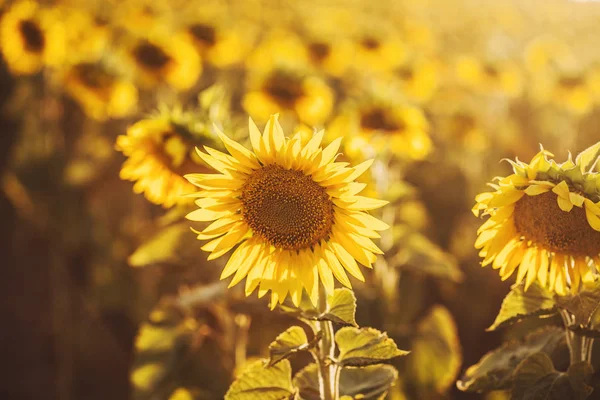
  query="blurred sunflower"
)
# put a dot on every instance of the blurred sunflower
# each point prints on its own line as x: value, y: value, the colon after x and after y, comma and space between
x: 159, y: 152
x: 87, y: 36
x: 544, y: 219
x: 418, y: 78
x: 288, y: 91
x: 294, y: 211
x: 328, y: 53
x: 378, y: 50
x: 490, y: 76
x: 163, y: 58
x: 374, y: 126
x: 567, y: 89
x: 31, y: 37
x: 219, y: 44
x: 100, y: 93
x: 544, y: 52
x: 279, y: 47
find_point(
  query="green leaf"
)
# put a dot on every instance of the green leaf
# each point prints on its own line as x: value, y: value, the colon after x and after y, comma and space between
x: 536, y: 379
x: 583, y: 305
x: 494, y: 370
x: 586, y: 160
x: 369, y: 383
x: 520, y: 304
x: 365, y: 346
x: 341, y: 308
x: 436, y: 353
x: 162, y: 346
x: 173, y: 245
x: 418, y: 254
x: 258, y: 382
x: 291, y: 341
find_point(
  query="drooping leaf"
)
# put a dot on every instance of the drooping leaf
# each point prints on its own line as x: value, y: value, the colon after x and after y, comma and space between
x: 419, y: 254
x: 583, y: 331
x: 436, y: 354
x: 536, y: 379
x: 365, y: 346
x: 520, y: 304
x: 586, y: 160
x: 287, y: 343
x: 583, y: 305
x: 494, y: 370
x: 341, y: 308
x: 369, y: 383
x: 259, y: 382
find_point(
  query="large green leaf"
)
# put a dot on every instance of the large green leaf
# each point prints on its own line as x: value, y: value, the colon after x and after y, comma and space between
x: 494, y: 370
x: 365, y: 346
x: 368, y: 383
x: 172, y: 245
x: 536, y: 379
x: 341, y: 308
x: 583, y: 305
x: 520, y: 304
x: 291, y: 341
x: 258, y: 382
x: 436, y: 354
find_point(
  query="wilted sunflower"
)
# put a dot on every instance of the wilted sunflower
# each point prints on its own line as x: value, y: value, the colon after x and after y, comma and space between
x: 160, y: 151
x: 288, y: 91
x: 31, y: 37
x: 293, y: 210
x: 171, y: 59
x: 101, y: 93
x: 544, y: 219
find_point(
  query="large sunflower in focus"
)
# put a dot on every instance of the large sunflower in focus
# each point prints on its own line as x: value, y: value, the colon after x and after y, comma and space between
x: 31, y: 37
x: 544, y: 222
x: 292, y: 210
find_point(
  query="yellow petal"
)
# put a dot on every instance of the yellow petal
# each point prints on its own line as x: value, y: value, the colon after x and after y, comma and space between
x: 564, y: 204
x: 562, y: 190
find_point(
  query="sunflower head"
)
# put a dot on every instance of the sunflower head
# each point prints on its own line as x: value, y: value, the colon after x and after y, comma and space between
x: 31, y: 37
x: 545, y: 220
x: 160, y: 150
x: 290, y: 91
x: 293, y: 211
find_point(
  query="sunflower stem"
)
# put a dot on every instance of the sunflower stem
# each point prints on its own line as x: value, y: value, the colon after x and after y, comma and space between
x: 580, y: 347
x: 328, y: 375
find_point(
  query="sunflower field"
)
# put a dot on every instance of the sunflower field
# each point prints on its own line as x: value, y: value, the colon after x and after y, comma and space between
x: 294, y: 199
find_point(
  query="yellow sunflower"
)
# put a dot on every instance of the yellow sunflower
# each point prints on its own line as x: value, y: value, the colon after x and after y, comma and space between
x: 159, y: 152
x: 418, y: 78
x: 219, y: 44
x: 289, y: 91
x: 566, y: 88
x: 100, y: 93
x: 378, y: 125
x: 31, y: 37
x: 170, y: 59
x: 545, y: 220
x: 293, y: 211
x: 378, y: 50
x: 490, y: 76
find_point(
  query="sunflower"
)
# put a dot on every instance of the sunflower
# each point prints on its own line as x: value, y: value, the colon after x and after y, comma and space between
x: 566, y: 88
x: 160, y: 151
x: 219, y: 44
x: 378, y: 50
x: 165, y: 59
x: 379, y: 125
x: 100, y: 93
x: 418, y: 78
x: 31, y: 37
x: 292, y: 210
x: 291, y: 91
x: 544, y: 219
x: 490, y: 76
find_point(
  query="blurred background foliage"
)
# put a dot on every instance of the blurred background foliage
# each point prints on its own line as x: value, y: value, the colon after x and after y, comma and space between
x: 106, y: 293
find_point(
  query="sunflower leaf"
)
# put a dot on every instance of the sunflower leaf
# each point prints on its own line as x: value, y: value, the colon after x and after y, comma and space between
x: 495, y: 369
x: 258, y: 382
x: 583, y: 305
x: 365, y: 346
x: 291, y: 341
x: 536, y: 378
x: 341, y: 307
x: 520, y: 304
x: 368, y: 383
x: 587, y: 159
x: 436, y: 357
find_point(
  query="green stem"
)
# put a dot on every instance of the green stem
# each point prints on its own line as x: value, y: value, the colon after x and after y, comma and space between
x: 328, y: 377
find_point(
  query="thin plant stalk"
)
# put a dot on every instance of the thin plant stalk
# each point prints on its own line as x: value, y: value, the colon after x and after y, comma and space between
x: 328, y: 374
